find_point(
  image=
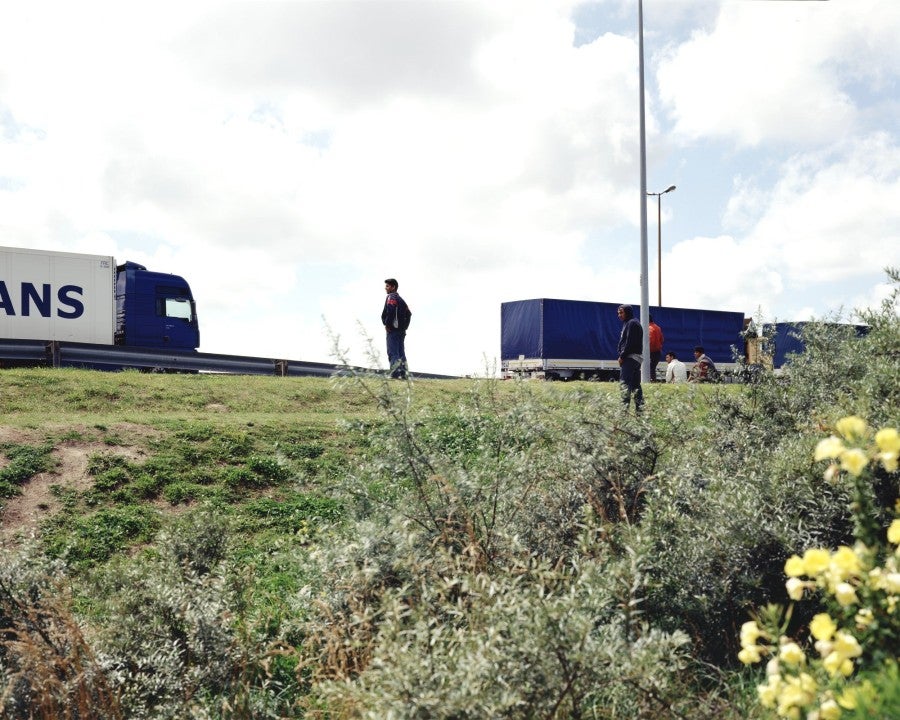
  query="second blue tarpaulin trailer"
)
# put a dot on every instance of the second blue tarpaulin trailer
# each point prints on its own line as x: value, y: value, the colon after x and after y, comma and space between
x: 781, y: 341
x: 552, y: 338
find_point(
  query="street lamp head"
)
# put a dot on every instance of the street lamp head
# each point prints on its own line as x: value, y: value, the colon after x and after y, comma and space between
x: 668, y: 189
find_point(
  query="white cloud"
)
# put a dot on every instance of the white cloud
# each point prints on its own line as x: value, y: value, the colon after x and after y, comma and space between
x: 779, y: 72
x: 286, y: 157
x: 833, y: 216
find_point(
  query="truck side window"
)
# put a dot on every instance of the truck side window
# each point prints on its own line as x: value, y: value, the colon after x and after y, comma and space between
x: 175, y: 308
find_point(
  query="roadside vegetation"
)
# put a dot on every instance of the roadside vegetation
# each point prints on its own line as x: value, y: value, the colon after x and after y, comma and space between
x: 198, y: 546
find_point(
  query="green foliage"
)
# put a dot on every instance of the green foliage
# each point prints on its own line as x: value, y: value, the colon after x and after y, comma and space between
x: 268, y: 468
x: 96, y: 537
x: 879, y: 694
x: 292, y: 514
x: 305, y: 450
x: 163, y: 636
x: 24, y: 462
x: 178, y: 492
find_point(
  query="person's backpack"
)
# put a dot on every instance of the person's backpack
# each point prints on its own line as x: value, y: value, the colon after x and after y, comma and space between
x: 404, y: 314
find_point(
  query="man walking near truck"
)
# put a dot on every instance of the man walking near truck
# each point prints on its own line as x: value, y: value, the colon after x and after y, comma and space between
x: 395, y: 317
x: 631, y: 346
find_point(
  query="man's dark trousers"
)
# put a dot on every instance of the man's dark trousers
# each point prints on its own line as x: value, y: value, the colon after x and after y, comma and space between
x: 396, y: 350
x: 631, y: 383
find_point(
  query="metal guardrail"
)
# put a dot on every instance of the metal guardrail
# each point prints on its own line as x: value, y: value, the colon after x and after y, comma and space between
x: 119, y: 357
x: 23, y: 351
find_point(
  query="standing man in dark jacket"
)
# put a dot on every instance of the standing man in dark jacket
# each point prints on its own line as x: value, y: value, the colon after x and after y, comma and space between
x: 631, y: 347
x: 395, y: 317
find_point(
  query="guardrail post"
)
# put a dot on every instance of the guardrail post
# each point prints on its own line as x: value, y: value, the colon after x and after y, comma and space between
x: 281, y: 368
x: 52, y: 350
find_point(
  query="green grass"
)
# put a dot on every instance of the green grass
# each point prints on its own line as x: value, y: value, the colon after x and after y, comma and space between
x: 236, y: 440
x: 23, y: 463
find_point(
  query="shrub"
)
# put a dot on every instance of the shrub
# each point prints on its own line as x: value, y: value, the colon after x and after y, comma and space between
x: 163, y: 635
x: 434, y: 636
x: 48, y: 671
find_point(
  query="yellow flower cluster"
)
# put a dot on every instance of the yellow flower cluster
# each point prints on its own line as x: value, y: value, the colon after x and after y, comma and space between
x: 789, y: 688
x: 815, y: 688
x: 837, y: 572
x: 854, y: 460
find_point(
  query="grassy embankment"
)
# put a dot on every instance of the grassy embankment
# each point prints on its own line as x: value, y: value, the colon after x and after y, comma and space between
x: 84, y: 449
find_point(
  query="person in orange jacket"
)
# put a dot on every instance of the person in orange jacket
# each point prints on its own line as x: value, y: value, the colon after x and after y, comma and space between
x: 655, y: 335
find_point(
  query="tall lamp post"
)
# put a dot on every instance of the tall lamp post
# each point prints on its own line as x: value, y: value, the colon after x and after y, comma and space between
x: 645, y: 290
x: 659, y: 240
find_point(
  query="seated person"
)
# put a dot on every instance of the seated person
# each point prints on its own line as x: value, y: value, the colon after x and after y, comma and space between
x: 705, y: 368
x: 676, y: 372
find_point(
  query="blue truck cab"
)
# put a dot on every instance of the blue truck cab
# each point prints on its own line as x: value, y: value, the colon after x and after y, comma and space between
x: 154, y: 310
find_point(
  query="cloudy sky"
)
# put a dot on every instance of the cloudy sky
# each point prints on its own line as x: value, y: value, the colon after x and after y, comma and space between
x: 286, y: 157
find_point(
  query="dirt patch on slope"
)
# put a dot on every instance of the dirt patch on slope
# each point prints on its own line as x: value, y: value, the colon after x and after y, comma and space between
x: 21, y: 515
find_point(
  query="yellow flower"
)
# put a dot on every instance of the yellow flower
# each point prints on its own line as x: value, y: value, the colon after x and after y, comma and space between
x: 836, y: 664
x: 892, y: 583
x: 829, y: 710
x: 788, y: 712
x: 794, y: 566
x: 815, y: 561
x: 791, y: 697
x: 847, y: 645
x: 876, y: 578
x: 791, y: 654
x: 768, y: 692
x: 795, y: 587
x: 796, y: 692
x: 822, y: 627
x: 750, y: 633
x: 864, y: 618
x: 854, y: 461
x: 824, y: 647
x: 750, y: 654
x: 888, y: 440
x: 846, y: 562
x: 888, y: 461
x: 845, y: 594
x: 848, y: 699
x: 893, y: 533
x: 852, y: 428
x: 829, y: 448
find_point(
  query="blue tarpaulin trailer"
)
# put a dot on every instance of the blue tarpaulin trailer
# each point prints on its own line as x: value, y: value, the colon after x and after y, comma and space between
x: 553, y: 338
x: 782, y: 340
